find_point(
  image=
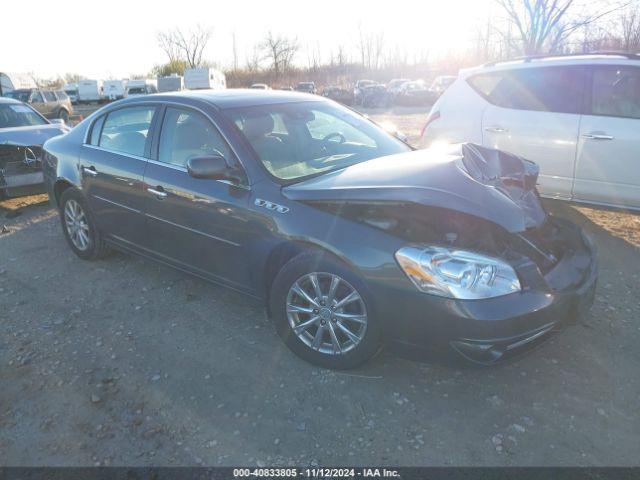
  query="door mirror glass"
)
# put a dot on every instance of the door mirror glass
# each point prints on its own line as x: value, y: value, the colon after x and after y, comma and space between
x: 210, y: 166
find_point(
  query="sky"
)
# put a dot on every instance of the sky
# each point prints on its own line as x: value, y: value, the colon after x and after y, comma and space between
x: 114, y: 39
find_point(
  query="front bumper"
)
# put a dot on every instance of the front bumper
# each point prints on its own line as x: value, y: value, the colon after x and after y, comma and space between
x: 486, y: 331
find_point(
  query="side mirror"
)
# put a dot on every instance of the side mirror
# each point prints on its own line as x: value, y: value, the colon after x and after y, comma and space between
x: 57, y: 121
x: 211, y: 166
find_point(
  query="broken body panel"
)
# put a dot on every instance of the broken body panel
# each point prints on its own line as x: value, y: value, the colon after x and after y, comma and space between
x: 21, y: 158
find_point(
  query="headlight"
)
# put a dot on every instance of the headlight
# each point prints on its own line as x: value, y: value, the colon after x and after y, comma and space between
x: 453, y: 273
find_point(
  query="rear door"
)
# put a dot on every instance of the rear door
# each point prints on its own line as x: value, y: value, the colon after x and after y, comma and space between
x: 608, y: 163
x: 112, y: 163
x: 535, y: 113
x: 202, y: 225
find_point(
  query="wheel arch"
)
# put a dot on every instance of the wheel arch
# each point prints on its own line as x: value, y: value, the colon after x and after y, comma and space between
x: 60, y: 187
x: 286, y: 251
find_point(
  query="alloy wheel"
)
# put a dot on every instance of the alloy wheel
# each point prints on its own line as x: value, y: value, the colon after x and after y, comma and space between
x: 326, y: 313
x: 76, y: 224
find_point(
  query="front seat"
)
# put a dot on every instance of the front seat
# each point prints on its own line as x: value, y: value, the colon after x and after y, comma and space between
x: 271, y: 150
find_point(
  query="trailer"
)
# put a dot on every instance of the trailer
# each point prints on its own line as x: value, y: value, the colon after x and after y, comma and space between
x: 15, y: 81
x: 90, y: 91
x: 204, y: 78
x: 172, y: 83
x: 114, y: 89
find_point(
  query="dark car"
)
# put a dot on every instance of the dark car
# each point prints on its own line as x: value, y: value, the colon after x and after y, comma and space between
x: 22, y: 133
x: 375, y: 96
x: 338, y: 94
x: 49, y: 103
x: 349, y: 237
x: 415, y: 94
x: 306, y: 87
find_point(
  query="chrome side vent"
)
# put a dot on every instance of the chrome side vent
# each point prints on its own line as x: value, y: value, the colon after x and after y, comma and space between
x: 271, y: 206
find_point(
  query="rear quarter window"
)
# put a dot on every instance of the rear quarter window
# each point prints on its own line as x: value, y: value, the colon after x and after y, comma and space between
x: 544, y: 89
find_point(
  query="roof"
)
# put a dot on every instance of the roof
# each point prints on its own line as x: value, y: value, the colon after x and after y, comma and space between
x: 8, y: 100
x: 605, y: 58
x: 237, y: 97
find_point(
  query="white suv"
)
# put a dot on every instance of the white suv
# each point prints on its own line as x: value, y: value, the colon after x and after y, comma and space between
x: 577, y: 117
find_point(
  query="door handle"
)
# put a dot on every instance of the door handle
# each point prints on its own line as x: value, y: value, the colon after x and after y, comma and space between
x: 496, y: 129
x: 90, y: 171
x: 158, y: 192
x: 597, y: 136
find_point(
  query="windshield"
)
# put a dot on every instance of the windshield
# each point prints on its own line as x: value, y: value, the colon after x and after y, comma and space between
x: 138, y: 90
x: 16, y: 115
x: 297, y: 140
x: 22, y: 95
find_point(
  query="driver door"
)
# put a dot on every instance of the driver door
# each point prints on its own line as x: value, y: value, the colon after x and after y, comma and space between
x: 201, y: 225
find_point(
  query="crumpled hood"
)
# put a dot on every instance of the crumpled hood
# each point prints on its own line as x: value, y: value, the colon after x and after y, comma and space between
x: 32, y: 135
x: 468, y: 178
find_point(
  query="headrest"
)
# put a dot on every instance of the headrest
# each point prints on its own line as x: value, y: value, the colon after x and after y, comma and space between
x: 257, y: 125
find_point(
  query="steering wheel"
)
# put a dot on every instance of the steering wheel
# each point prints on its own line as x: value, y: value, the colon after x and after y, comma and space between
x: 328, y: 137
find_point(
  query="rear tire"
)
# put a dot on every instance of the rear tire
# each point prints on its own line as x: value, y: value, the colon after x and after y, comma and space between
x: 63, y: 115
x: 79, y: 226
x: 318, y: 326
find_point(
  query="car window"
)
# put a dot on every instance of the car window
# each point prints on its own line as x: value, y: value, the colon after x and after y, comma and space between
x: 61, y: 95
x: 325, y: 124
x: 616, y: 92
x: 96, y: 129
x: 546, y: 89
x: 36, y: 97
x: 187, y: 134
x: 297, y: 140
x: 19, y: 115
x: 49, y: 96
x: 126, y: 130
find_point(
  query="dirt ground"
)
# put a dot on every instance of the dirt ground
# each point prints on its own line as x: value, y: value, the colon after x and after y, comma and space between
x: 124, y: 362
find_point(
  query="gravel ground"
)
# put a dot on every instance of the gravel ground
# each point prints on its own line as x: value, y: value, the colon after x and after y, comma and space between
x: 124, y: 362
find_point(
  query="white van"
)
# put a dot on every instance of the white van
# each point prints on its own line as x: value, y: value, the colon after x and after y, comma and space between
x: 71, y: 89
x: 141, y: 87
x: 114, y: 89
x: 576, y: 116
x: 90, y: 91
x: 204, y: 78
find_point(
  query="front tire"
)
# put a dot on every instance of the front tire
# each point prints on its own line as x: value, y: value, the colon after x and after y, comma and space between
x: 79, y: 226
x: 324, y: 313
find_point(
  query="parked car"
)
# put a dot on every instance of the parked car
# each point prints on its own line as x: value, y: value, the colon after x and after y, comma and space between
x: 350, y: 237
x: 394, y: 86
x: 114, y: 89
x: 204, y: 78
x: 260, y: 86
x: 440, y: 84
x: 90, y: 91
x: 306, y: 87
x: 143, y: 86
x: 357, y: 90
x: 338, y: 94
x: 22, y: 132
x: 578, y: 117
x: 415, y: 94
x: 46, y: 102
x: 375, y: 96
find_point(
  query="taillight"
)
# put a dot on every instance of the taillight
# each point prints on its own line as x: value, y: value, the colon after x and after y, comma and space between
x: 430, y: 119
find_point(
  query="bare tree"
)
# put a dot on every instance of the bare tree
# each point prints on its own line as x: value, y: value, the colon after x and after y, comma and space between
x: 545, y: 25
x: 279, y: 50
x: 629, y: 21
x: 235, y: 51
x: 187, y: 46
